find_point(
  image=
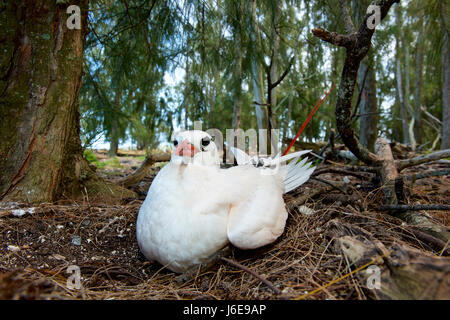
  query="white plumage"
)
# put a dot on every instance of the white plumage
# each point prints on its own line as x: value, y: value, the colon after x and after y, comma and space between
x: 194, y: 208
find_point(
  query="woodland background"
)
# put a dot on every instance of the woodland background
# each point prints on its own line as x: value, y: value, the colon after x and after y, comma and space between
x: 223, y: 53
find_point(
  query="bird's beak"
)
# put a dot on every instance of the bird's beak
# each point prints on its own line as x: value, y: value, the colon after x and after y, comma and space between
x: 185, y: 149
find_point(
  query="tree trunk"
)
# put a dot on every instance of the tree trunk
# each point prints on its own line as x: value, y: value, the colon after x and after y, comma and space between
x: 41, y: 158
x: 114, y: 138
x: 412, y: 138
x: 399, y: 80
x: 286, y: 130
x: 186, y: 96
x: 368, y: 109
x: 418, y: 83
x: 258, y: 81
x: 272, y: 91
x: 445, y: 144
x: 237, y: 83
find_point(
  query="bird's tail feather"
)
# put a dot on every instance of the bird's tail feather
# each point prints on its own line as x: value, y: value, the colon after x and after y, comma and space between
x: 297, y: 173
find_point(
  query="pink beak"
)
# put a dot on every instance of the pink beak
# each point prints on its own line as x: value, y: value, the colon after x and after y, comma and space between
x: 185, y: 149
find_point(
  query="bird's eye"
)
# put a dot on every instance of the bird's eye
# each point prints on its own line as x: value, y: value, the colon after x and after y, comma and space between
x: 205, y: 141
x: 175, y: 143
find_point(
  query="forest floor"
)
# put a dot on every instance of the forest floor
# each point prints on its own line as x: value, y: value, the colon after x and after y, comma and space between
x: 37, y: 245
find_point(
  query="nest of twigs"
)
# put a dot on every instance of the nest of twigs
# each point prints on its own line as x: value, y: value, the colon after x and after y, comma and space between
x: 37, y: 246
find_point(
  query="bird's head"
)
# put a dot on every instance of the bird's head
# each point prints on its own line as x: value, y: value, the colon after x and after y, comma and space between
x: 194, y: 147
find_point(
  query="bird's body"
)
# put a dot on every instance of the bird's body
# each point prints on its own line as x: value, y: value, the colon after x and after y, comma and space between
x: 194, y: 208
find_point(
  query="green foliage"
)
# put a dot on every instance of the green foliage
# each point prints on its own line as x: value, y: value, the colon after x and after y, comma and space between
x: 109, y: 163
x: 90, y: 156
x: 134, y: 44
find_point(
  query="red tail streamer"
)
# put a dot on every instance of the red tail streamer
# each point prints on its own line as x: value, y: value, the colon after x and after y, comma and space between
x: 307, y: 120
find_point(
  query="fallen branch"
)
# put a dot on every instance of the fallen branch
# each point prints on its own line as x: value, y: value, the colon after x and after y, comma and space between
x: 388, y: 170
x: 405, y: 273
x: 423, y: 175
x: 403, y: 164
x: 434, y: 242
x: 405, y: 207
x: 292, y: 204
x: 333, y: 184
x: 142, y: 171
x: 334, y: 38
x: 339, y: 171
x: 253, y: 273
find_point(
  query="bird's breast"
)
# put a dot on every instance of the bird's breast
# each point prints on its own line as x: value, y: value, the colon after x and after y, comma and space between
x: 180, y: 223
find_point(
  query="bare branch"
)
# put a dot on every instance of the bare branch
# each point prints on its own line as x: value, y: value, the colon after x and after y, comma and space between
x: 339, y: 171
x: 423, y: 175
x: 141, y: 172
x: 334, y: 38
x: 276, y: 83
x: 405, y: 207
x: 253, y: 273
x: 402, y: 164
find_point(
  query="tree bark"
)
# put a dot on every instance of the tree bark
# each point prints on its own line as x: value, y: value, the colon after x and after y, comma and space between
x: 368, y: 109
x: 445, y: 144
x: 412, y: 138
x: 41, y: 158
x: 418, y: 83
x: 272, y: 91
x: 405, y: 272
x: 399, y: 78
x: 186, y: 94
x: 237, y: 87
x: 114, y: 137
x: 258, y: 81
x: 388, y: 170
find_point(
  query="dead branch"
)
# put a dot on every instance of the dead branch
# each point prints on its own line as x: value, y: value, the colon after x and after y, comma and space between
x: 423, y: 223
x: 432, y: 241
x: 405, y: 273
x: 253, y: 273
x: 361, y: 169
x: 430, y: 115
x: 298, y: 201
x: 142, y: 171
x: 403, y: 164
x: 423, y: 175
x: 405, y: 207
x: 339, y: 171
x: 334, y: 37
x: 388, y: 170
x: 334, y: 184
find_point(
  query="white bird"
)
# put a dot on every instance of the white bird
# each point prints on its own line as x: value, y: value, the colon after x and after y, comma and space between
x: 194, y: 208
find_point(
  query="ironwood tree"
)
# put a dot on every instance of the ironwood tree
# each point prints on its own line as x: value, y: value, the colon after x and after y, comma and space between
x: 41, y: 158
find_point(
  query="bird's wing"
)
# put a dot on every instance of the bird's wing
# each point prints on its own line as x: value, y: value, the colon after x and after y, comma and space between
x: 241, y: 157
x: 260, y: 217
x: 294, y: 174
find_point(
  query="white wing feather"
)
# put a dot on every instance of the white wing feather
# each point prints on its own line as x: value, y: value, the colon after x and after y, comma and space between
x: 295, y: 173
x: 241, y: 157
